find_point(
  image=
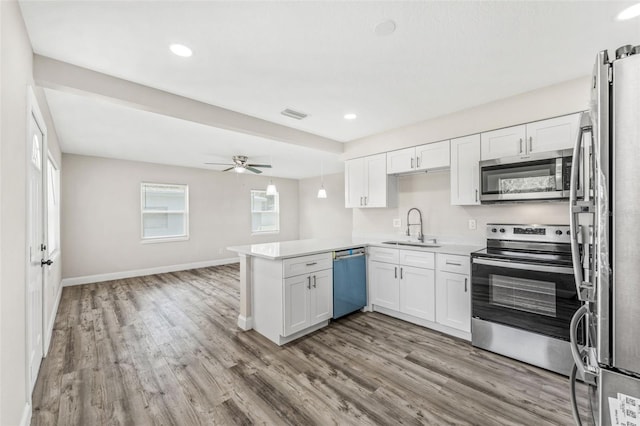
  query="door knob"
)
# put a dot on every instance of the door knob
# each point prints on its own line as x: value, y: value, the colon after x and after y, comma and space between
x: 47, y: 262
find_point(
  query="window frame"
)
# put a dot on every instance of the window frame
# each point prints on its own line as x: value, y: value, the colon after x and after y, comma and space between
x: 185, y: 212
x: 58, y: 206
x: 277, y: 211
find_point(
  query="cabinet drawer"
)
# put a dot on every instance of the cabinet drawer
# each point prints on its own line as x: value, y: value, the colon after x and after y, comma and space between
x: 419, y: 259
x: 306, y: 264
x: 382, y: 254
x: 453, y: 263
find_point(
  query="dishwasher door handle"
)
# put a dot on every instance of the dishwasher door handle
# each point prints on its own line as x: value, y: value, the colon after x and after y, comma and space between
x: 349, y: 256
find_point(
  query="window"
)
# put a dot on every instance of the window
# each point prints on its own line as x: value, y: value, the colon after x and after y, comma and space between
x: 165, y: 212
x: 265, y: 212
x: 53, y: 207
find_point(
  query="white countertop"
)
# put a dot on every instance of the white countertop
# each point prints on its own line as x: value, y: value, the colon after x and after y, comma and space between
x: 296, y: 248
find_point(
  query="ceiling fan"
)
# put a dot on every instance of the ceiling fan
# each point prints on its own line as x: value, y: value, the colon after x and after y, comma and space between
x: 240, y: 164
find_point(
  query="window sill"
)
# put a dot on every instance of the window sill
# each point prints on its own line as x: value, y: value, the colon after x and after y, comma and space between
x: 253, y: 234
x: 163, y: 240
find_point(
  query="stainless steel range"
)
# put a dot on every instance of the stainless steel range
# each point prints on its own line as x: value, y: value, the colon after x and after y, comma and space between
x: 524, y: 294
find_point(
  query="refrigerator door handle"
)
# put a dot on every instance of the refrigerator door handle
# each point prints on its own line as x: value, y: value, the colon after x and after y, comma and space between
x: 585, y: 372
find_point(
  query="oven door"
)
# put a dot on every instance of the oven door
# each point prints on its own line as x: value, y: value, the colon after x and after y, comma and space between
x: 535, y: 297
x: 513, y: 180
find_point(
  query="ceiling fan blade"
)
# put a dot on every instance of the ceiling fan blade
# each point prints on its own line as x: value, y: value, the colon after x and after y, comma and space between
x: 219, y: 164
x: 253, y: 170
x: 230, y: 168
x: 260, y: 165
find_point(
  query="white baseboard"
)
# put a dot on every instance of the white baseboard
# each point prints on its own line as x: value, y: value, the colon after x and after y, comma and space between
x: 51, y: 322
x: 25, y: 420
x: 423, y: 322
x: 88, y: 279
x: 245, y: 323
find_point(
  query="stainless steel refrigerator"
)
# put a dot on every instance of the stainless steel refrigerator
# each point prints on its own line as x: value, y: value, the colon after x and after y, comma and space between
x: 605, y: 228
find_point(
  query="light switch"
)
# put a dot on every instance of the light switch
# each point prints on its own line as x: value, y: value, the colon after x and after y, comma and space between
x: 397, y: 223
x: 472, y: 224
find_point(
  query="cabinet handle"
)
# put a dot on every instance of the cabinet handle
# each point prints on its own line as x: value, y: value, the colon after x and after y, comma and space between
x: 521, y: 146
x: 530, y: 144
x: 453, y: 263
x: 312, y: 263
x: 309, y: 282
x: 412, y: 162
x: 395, y: 272
x: 401, y: 273
x: 476, y: 195
x: 360, y: 200
x: 314, y: 282
x: 417, y: 162
x: 365, y: 200
x: 465, y: 285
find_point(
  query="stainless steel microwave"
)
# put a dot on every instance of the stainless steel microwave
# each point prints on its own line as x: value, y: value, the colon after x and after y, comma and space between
x: 535, y: 177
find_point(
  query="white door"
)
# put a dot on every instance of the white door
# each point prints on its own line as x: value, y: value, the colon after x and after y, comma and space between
x: 553, y: 134
x: 36, y: 246
x: 296, y: 303
x: 507, y: 142
x: 384, y: 284
x: 402, y: 160
x: 376, y: 180
x: 354, y: 183
x: 432, y: 156
x: 453, y: 301
x: 465, y: 170
x: 417, y: 292
x: 321, y: 296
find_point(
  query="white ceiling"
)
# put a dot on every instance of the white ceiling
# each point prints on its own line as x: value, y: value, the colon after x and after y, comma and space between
x: 91, y: 126
x: 323, y: 58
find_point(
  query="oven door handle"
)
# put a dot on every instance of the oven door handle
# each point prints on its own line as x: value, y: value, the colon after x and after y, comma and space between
x: 525, y: 266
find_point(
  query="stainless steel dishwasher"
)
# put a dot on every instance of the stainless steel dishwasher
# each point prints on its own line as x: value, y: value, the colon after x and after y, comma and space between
x: 349, y: 281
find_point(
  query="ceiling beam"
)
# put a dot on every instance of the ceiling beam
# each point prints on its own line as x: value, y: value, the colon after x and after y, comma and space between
x: 54, y: 74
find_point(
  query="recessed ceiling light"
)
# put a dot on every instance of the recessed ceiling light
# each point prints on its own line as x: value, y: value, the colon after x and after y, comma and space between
x: 385, y: 28
x: 180, y: 50
x: 629, y: 13
x: 350, y: 116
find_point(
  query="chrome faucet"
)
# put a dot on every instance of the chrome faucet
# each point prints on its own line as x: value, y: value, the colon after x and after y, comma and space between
x: 420, y: 235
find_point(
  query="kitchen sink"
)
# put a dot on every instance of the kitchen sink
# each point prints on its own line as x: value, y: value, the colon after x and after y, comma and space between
x: 412, y: 244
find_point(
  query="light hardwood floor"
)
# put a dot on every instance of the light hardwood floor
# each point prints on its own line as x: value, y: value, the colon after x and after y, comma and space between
x: 165, y: 349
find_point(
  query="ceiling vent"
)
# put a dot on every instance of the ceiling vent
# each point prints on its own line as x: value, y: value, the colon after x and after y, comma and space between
x: 293, y: 114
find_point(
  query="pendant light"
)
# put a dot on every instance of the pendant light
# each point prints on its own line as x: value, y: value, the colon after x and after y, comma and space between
x: 322, y: 193
x: 271, y: 188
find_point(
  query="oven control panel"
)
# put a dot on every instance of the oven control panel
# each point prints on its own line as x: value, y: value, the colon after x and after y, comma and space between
x: 540, y: 233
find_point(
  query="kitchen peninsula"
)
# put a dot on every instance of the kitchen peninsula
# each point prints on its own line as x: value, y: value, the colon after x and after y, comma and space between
x: 286, y: 287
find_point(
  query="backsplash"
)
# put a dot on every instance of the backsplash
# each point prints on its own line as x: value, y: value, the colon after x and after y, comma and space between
x: 430, y: 193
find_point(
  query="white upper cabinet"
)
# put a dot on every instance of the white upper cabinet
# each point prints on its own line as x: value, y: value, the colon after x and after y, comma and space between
x: 367, y: 183
x: 465, y: 170
x: 553, y: 134
x: 401, y: 161
x: 507, y: 142
x: 430, y: 156
x: 540, y: 136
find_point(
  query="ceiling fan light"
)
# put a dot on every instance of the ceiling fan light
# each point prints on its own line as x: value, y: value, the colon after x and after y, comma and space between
x: 271, y: 189
x: 322, y: 193
x: 239, y: 169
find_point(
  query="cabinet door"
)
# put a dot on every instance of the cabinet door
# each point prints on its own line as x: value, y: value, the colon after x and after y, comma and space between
x: 296, y: 304
x: 384, y: 285
x: 321, y: 296
x: 433, y: 156
x: 376, y: 181
x: 400, y: 161
x: 354, y: 183
x: 453, y: 300
x: 552, y: 135
x: 417, y: 292
x: 506, y: 142
x: 465, y: 170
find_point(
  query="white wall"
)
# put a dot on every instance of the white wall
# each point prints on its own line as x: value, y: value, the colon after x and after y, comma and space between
x: 323, y: 218
x: 430, y: 192
x: 101, y: 215
x: 15, y: 75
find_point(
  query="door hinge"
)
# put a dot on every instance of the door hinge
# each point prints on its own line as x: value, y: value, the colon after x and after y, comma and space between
x: 43, y: 247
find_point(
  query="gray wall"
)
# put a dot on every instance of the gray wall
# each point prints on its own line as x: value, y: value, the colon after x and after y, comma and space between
x: 323, y: 218
x: 16, y: 74
x: 101, y: 215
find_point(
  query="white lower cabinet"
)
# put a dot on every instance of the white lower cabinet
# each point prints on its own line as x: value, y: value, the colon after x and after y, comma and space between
x: 308, y: 300
x: 417, y: 291
x: 454, y: 301
x: 385, y: 285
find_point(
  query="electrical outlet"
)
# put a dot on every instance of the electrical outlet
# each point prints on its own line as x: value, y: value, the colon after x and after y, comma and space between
x: 472, y: 224
x: 397, y: 223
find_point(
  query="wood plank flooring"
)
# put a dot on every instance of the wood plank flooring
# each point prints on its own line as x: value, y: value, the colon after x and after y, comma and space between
x: 165, y: 350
